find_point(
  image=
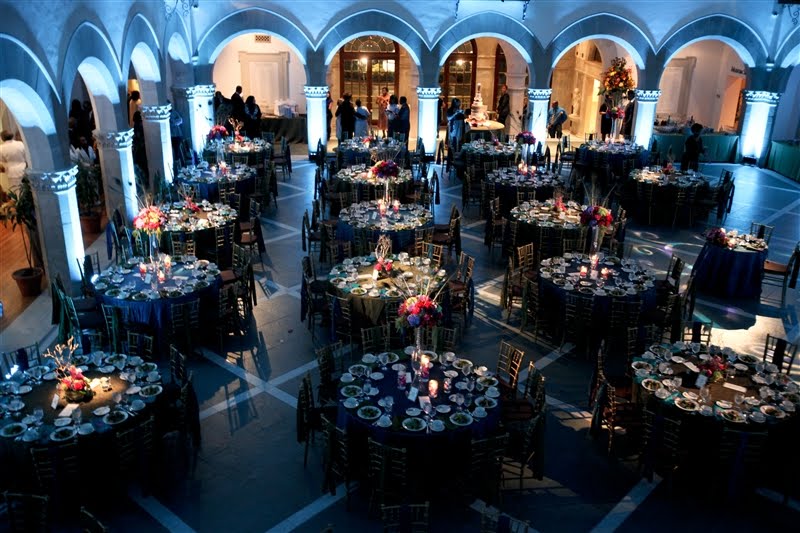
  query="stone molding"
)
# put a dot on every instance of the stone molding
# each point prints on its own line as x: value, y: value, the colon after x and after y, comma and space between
x: 315, y: 91
x: 648, y: 96
x: 429, y: 93
x: 196, y: 91
x: 762, y: 97
x: 114, y: 139
x: 53, y: 180
x: 155, y: 112
x: 539, y: 94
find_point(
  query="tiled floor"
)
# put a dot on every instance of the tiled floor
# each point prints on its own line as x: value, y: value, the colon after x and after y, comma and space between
x: 250, y: 475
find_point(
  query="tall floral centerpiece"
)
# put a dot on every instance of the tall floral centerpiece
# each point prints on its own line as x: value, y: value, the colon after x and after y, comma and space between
x: 215, y: 137
x: 526, y: 140
x: 71, y: 381
x: 717, y: 237
x: 616, y: 84
x: 383, y: 265
x: 385, y: 170
x: 598, y: 219
x: 150, y: 221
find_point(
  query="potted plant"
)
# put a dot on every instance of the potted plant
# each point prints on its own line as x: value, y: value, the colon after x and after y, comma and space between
x: 19, y: 210
x: 87, y: 191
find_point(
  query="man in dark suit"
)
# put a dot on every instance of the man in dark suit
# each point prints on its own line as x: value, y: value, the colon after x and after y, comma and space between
x: 503, y: 105
x: 347, y: 115
x: 238, y: 104
x: 627, y: 120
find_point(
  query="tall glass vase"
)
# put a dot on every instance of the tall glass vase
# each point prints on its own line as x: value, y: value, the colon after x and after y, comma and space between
x: 597, y: 239
x: 154, y: 244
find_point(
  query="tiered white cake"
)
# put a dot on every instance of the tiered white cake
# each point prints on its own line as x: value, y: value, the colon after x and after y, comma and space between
x: 478, y: 110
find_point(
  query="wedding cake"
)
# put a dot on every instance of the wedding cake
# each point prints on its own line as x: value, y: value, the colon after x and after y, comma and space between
x: 478, y: 110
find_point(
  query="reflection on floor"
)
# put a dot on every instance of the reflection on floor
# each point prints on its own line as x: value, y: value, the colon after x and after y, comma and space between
x: 250, y: 476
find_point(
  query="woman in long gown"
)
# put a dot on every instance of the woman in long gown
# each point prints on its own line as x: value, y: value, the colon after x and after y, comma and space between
x: 383, y: 103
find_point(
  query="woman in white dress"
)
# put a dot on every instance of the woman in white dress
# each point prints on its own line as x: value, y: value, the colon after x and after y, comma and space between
x: 12, y: 161
x: 362, y: 119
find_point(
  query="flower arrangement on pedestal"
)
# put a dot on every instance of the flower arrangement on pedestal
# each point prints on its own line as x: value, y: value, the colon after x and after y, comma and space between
x: 597, y: 216
x: 618, y: 80
x: 526, y: 137
x: 71, y: 380
x: 385, y: 170
x: 150, y: 219
x: 717, y: 237
x: 217, y: 133
x: 419, y: 311
x: 382, y: 250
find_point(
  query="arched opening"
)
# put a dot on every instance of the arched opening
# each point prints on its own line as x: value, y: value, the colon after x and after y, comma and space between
x: 457, y: 77
x: 702, y: 82
x: 363, y: 66
x: 577, y: 79
x: 272, y: 72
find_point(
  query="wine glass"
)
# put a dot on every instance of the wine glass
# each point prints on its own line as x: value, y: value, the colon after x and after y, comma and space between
x: 459, y: 399
x: 738, y: 399
x: 77, y: 415
x: 117, y: 397
x: 38, y: 414
x: 705, y: 394
x: 466, y: 369
x: 428, y: 408
x: 388, y: 403
x: 383, y: 358
x: 760, y: 367
x: 677, y: 381
x: 470, y: 385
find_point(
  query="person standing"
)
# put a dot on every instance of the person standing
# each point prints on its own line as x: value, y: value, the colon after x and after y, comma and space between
x: 238, y: 104
x: 605, y: 118
x: 383, y: 104
x: 347, y: 116
x: 362, y: 120
x: 503, y: 106
x: 328, y: 114
x: 391, y: 116
x: 175, y: 132
x: 455, y: 126
x: 252, y: 113
x: 555, y: 118
x: 692, y: 149
x: 134, y: 101
x: 12, y: 161
x: 404, y: 118
x: 627, y: 120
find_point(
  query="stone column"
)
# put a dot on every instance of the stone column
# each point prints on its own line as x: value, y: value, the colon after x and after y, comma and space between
x: 428, y: 127
x: 317, y: 119
x: 759, y: 115
x: 644, y: 116
x: 196, y: 106
x: 516, y: 96
x: 119, y: 179
x: 157, y: 141
x: 538, y: 99
x: 59, y: 224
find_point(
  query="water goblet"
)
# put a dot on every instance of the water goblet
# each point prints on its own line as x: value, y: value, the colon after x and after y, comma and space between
x: 677, y: 381
x: 769, y: 378
x: 117, y: 397
x: 705, y: 394
x: 388, y: 403
x: 466, y: 369
x: 77, y: 415
x: 459, y: 399
x: 738, y: 399
x: 760, y: 367
x: 38, y: 414
x: 383, y: 358
x: 470, y: 385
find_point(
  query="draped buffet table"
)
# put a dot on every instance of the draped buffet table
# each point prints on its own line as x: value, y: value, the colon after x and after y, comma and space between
x: 720, y: 148
x: 733, y: 270
x: 294, y: 130
x: 784, y: 158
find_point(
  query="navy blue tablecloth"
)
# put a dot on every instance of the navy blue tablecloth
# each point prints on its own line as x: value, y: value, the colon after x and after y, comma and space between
x: 729, y: 273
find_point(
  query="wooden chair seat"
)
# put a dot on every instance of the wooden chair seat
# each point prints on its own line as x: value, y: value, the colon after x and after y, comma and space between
x: 441, y: 238
x: 773, y: 267
x: 457, y: 286
x: 228, y: 276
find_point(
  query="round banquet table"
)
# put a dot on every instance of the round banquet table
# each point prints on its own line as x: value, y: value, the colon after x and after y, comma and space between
x: 427, y: 451
x: 731, y: 272
x: 400, y: 226
x: 206, y: 180
x: 508, y: 181
x: 125, y: 288
x: 479, y: 152
x: 486, y: 130
x: 357, y: 178
x: 252, y: 150
x: 96, y: 436
x: 353, y: 280
x: 652, y: 195
x: 542, y: 224
x: 625, y: 280
x: 199, y: 226
x: 621, y: 158
x: 701, y: 423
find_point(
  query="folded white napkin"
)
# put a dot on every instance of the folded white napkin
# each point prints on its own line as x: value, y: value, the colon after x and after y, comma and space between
x: 691, y: 366
x: 737, y: 388
x: 67, y: 411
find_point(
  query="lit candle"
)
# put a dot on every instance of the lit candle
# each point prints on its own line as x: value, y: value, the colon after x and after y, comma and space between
x: 396, y: 206
x: 584, y: 270
x: 142, y: 269
x: 604, y: 272
x: 161, y: 277
x: 433, y: 388
x: 167, y: 261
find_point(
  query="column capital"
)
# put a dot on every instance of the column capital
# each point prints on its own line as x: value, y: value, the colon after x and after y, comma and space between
x: 762, y: 97
x: 429, y: 93
x: 315, y: 91
x: 539, y: 94
x: 195, y: 91
x: 53, y: 180
x: 156, y: 112
x: 114, y: 139
x: 643, y: 95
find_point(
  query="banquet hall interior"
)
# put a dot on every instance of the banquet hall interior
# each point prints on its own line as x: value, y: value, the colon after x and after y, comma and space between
x: 469, y: 265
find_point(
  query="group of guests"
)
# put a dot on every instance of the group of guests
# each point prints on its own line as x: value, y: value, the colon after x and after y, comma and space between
x: 394, y: 116
x: 81, y: 126
x: 246, y: 111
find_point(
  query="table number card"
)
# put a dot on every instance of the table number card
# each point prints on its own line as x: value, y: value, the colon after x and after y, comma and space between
x: 374, y: 275
x: 147, y: 279
x: 54, y: 402
x: 412, y: 394
x: 702, y: 379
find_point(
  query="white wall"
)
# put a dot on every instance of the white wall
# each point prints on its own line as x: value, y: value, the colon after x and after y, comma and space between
x: 706, y: 91
x: 227, y: 70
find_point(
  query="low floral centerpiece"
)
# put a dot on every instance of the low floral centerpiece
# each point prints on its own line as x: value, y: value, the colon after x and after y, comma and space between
x: 714, y: 368
x: 526, y: 137
x: 71, y: 381
x: 189, y: 205
x: 668, y: 168
x: 717, y: 237
x: 383, y: 266
x: 597, y: 216
x: 217, y: 133
x: 385, y: 170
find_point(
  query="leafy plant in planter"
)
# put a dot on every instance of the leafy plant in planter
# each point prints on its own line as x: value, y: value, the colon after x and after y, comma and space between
x: 20, y: 210
x: 87, y: 191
